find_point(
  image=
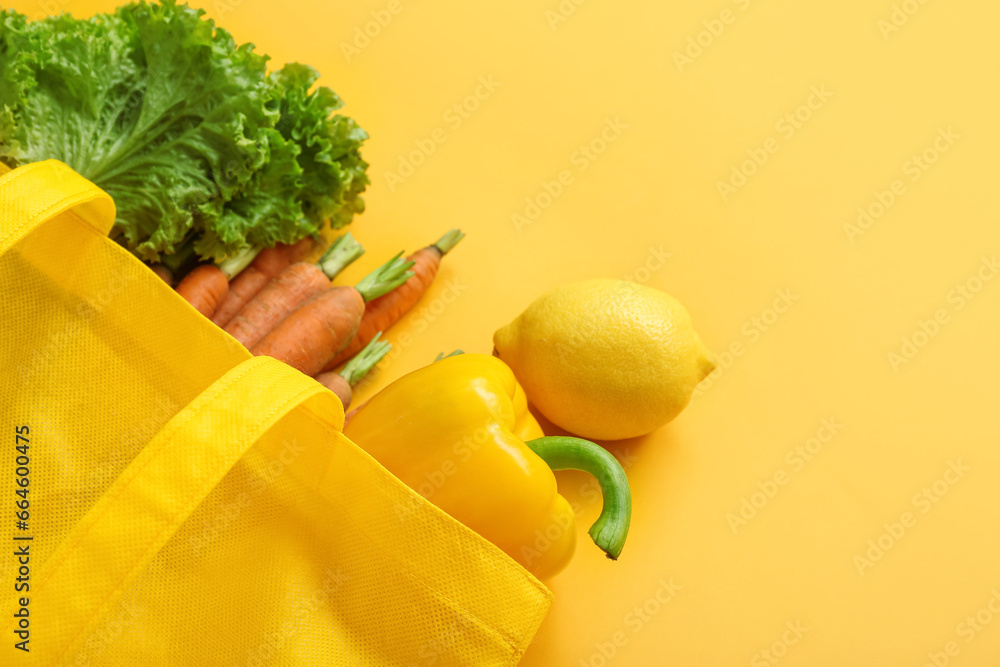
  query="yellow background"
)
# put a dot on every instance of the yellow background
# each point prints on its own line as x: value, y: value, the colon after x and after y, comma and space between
x: 655, y: 190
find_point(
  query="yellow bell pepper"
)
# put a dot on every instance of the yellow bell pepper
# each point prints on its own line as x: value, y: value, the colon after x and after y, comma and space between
x: 459, y: 433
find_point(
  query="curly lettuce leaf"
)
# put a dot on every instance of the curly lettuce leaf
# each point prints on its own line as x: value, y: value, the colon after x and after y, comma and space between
x: 185, y: 129
x: 267, y: 212
x: 15, y: 77
x: 314, y: 171
x: 155, y: 106
x: 333, y: 172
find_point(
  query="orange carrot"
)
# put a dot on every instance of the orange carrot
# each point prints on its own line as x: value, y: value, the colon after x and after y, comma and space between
x: 383, y: 312
x: 294, y: 286
x: 204, y: 288
x: 322, y: 326
x: 357, y: 368
x: 336, y: 383
x: 265, y: 267
x: 165, y: 274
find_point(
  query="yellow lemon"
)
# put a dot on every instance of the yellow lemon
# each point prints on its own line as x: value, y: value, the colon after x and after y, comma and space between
x: 605, y: 359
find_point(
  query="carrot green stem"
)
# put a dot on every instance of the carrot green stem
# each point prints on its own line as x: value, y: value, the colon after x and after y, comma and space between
x: 449, y: 241
x: 232, y: 266
x: 385, y: 278
x: 344, y: 250
x: 566, y: 453
x: 365, y: 360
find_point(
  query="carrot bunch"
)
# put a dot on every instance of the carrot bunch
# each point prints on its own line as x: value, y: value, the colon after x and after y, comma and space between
x: 265, y: 267
x: 287, y: 309
x: 383, y: 312
x: 289, y: 289
x: 208, y: 287
x: 323, y: 325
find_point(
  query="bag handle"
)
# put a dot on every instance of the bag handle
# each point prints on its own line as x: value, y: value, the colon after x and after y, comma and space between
x: 37, y: 192
x: 159, y: 490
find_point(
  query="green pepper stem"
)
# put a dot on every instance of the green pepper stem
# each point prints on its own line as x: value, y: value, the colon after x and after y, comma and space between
x: 385, y: 278
x: 566, y: 453
x: 448, y: 241
x: 442, y: 355
x: 365, y: 360
x: 344, y: 250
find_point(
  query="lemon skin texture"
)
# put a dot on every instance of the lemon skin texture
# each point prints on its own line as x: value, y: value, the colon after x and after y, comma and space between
x: 605, y: 359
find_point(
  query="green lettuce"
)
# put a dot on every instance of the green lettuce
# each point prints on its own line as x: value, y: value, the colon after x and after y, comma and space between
x: 15, y: 75
x: 329, y: 145
x: 187, y: 131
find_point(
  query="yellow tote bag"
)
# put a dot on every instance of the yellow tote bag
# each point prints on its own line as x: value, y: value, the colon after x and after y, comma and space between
x: 167, y: 499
